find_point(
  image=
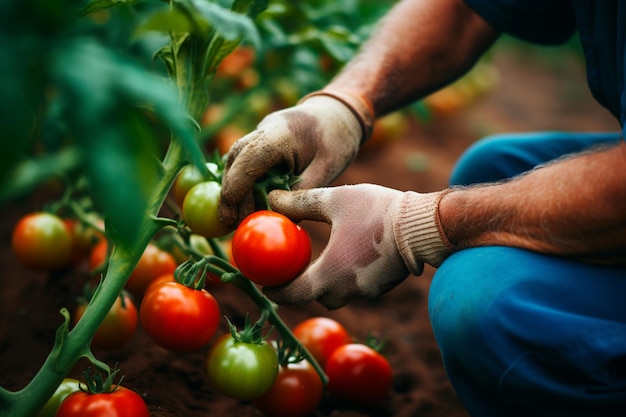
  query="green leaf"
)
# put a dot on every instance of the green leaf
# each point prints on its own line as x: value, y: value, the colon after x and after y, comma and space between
x: 112, y: 106
x: 96, y: 5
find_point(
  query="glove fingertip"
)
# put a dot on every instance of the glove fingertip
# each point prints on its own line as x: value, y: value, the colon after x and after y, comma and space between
x: 297, y: 293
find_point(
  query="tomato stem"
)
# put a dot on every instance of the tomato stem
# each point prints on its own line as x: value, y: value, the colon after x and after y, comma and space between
x: 265, y: 305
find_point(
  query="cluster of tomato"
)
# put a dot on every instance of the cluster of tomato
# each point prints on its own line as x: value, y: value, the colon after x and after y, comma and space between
x: 268, y: 249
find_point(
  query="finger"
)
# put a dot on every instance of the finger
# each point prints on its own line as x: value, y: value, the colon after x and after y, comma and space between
x: 247, y: 162
x: 302, y: 204
x: 298, y: 292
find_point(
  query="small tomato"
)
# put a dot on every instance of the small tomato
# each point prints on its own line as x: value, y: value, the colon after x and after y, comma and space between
x: 358, y: 374
x: 296, y: 392
x: 201, y: 210
x: 321, y: 336
x: 153, y: 263
x: 179, y: 318
x: 41, y: 241
x: 243, y: 371
x: 121, y: 402
x: 67, y: 387
x: 118, y: 326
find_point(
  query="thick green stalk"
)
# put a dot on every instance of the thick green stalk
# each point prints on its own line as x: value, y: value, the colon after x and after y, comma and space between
x: 75, y: 344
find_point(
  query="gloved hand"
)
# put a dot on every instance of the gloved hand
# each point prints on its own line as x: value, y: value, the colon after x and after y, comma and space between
x: 378, y: 235
x: 316, y: 139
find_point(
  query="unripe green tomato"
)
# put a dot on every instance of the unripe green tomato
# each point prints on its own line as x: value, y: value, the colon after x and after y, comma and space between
x: 243, y: 371
x: 68, y: 386
x: 201, y: 210
x: 187, y: 178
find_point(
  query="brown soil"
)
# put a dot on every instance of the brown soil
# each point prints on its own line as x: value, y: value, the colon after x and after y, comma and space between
x: 530, y: 96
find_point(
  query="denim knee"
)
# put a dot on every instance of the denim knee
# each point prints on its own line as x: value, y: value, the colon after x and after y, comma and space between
x: 520, y: 333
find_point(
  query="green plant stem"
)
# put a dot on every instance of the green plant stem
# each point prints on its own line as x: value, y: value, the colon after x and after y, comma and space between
x: 265, y: 305
x: 75, y: 344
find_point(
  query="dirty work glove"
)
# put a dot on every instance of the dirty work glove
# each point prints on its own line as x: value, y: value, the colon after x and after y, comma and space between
x: 378, y: 235
x: 315, y: 139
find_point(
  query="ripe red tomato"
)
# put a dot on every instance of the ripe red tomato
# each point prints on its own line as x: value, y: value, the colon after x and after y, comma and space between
x: 41, y: 241
x: 243, y: 371
x: 84, y: 238
x: 358, y: 374
x: 122, y: 402
x: 98, y: 255
x: 186, y: 179
x: 119, y: 325
x: 153, y: 263
x: 296, y: 392
x: 201, y: 210
x: 321, y: 336
x: 179, y: 318
x: 270, y: 249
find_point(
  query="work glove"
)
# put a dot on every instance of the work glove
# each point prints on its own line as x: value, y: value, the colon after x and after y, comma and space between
x: 378, y: 237
x: 315, y: 139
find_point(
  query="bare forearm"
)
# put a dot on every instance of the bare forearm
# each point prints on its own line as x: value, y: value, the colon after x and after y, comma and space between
x: 575, y: 208
x: 418, y: 47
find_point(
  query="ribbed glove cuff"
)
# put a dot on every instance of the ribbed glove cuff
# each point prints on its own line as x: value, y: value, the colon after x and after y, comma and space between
x: 360, y: 106
x: 417, y: 230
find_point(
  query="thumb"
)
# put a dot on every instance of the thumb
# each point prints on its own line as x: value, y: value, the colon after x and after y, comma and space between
x: 302, y: 204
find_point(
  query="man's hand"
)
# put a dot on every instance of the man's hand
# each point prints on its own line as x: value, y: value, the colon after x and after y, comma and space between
x: 378, y: 236
x: 316, y: 139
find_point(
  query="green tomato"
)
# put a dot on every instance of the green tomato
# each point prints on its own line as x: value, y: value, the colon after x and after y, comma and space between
x: 187, y: 178
x: 201, y: 210
x: 67, y: 386
x: 240, y: 370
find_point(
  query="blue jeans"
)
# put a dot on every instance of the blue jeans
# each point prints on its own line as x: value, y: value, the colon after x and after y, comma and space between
x: 525, y: 334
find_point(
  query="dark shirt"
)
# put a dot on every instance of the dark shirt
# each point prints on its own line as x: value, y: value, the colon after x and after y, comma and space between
x: 601, y: 25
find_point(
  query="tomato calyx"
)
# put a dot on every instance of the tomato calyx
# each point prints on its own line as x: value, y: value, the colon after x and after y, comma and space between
x: 95, y: 383
x: 251, y: 333
x: 193, y: 274
x: 275, y: 179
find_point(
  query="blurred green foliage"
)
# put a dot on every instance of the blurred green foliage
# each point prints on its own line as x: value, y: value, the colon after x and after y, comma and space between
x: 98, y: 89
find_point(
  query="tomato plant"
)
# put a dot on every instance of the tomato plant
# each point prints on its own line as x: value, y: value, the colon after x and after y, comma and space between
x: 41, y: 241
x: 67, y: 387
x: 153, y: 263
x: 359, y: 374
x: 270, y: 249
x: 321, y: 336
x: 242, y: 370
x: 120, y: 402
x: 201, y: 210
x: 119, y: 325
x: 296, y: 392
x: 179, y: 318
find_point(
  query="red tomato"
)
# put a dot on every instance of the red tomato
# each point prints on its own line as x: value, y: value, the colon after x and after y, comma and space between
x: 358, y: 374
x: 41, y: 241
x: 122, y: 402
x: 98, y: 255
x: 296, y: 393
x: 84, y: 238
x: 179, y: 318
x: 153, y: 263
x: 270, y: 249
x: 321, y: 336
x: 119, y: 325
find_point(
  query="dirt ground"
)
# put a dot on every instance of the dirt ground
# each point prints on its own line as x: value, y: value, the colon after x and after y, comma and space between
x: 533, y: 94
